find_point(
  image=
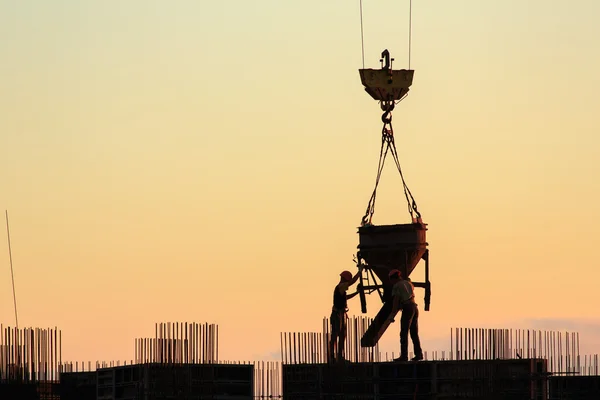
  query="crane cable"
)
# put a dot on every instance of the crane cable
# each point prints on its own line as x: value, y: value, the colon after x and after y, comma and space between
x: 12, y: 273
x: 409, y: 30
x: 362, y: 35
x: 387, y: 141
x: 387, y: 138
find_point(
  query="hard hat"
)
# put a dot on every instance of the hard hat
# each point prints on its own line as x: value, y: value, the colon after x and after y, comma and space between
x: 395, y: 272
x: 347, y: 275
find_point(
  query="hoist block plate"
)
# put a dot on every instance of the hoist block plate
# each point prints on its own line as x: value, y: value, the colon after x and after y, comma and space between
x: 385, y: 84
x: 387, y: 247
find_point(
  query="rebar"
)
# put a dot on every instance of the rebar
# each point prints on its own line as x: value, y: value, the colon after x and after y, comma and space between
x: 561, y: 350
x: 267, y: 380
x: 29, y: 354
x: 313, y: 347
x: 179, y: 343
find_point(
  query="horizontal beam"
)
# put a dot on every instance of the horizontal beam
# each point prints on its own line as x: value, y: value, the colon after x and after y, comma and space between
x: 415, y: 284
x: 374, y: 287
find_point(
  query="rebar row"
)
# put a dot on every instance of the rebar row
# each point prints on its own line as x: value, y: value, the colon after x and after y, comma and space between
x: 267, y: 380
x: 356, y: 327
x: 590, y: 365
x: 179, y: 342
x: 561, y: 351
x: 302, y: 347
x: 30, y: 354
x: 313, y: 347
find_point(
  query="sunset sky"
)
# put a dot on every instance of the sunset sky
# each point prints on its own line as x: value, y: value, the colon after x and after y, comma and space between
x: 210, y: 161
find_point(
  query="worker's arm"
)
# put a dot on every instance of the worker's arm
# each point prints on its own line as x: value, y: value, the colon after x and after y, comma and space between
x: 355, y: 277
x: 342, y: 287
x: 395, y: 302
x: 349, y: 296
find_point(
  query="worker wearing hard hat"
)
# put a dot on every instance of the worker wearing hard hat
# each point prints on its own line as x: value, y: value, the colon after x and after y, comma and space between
x: 338, y: 314
x: 403, y: 293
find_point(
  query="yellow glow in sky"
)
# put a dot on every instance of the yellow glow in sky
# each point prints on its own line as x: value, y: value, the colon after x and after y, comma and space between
x: 210, y: 161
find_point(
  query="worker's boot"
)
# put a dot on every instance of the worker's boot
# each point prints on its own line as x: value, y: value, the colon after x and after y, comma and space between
x: 403, y: 349
x: 341, y: 357
x: 418, y: 350
x: 331, y: 356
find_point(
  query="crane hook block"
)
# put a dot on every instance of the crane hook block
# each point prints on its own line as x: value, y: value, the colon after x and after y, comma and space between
x: 385, y: 84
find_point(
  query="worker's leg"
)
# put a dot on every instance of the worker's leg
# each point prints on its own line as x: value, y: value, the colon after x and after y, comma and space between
x: 342, y: 336
x: 335, y: 329
x: 414, y: 335
x: 405, y: 322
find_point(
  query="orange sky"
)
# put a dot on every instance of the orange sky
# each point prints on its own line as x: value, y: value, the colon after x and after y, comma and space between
x: 210, y: 161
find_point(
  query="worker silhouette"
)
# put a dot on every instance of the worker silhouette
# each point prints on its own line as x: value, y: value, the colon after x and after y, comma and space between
x: 403, y: 295
x: 338, y: 314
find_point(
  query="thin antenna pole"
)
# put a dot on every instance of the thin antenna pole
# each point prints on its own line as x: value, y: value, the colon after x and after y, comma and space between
x: 11, y: 270
x: 409, y: 30
x: 362, y: 36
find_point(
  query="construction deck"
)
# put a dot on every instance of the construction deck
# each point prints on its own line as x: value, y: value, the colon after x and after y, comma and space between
x: 161, y: 381
x: 78, y: 385
x: 574, y: 387
x: 198, y: 381
x: 473, y: 379
x: 481, y: 364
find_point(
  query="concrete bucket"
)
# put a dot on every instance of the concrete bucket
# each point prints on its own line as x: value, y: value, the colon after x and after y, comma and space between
x: 382, y: 249
x: 388, y: 247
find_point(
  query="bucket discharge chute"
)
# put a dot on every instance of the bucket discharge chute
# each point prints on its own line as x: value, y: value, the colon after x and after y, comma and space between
x: 383, y: 248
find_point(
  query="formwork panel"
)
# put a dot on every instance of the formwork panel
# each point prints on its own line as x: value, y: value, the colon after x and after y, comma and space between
x: 574, y: 387
x: 17, y: 390
x: 78, y: 386
x: 492, y: 379
x: 176, y: 381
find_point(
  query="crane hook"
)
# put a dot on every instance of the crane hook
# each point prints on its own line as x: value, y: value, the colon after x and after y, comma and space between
x: 385, y: 55
x: 387, y: 106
